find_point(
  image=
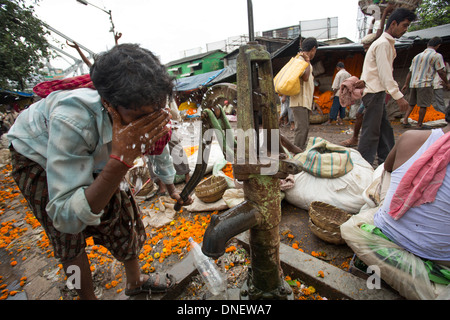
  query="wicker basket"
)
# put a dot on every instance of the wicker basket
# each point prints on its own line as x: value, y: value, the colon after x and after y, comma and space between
x: 326, y: 216
x: 137, y: 177
x: 325, y: 235
x: 318, y: 118
x: 408, y: 4
x: 326, y: 220
x: 211, y: 189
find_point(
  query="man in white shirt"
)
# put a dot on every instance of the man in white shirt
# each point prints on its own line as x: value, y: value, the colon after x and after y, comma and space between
x: 301, y: 104
x: 337, y: 112
x: 377, y: 136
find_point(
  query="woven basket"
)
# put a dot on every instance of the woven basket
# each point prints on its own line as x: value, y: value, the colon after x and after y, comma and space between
x: 211, y: 189
x: 325, y: 235
x: 318, y: 118
x: 408, y: 4
x: 138, y: 176
x: 326, y: 220
x: 326, y: 216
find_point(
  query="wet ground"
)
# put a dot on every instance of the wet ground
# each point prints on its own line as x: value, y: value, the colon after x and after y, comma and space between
x: 28, y: 269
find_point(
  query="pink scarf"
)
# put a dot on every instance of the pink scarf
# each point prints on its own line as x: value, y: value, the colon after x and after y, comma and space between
x: 423, y: 179
x: 43, y: 89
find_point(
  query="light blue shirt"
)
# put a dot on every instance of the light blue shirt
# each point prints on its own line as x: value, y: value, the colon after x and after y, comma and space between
x: 423, y: 230
x: 69, y: 134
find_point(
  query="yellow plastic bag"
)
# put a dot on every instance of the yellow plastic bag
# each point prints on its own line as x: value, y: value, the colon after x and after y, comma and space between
x: 287, y: 81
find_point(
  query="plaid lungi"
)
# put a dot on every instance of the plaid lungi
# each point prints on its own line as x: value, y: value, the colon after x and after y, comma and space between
x: 121, y: 229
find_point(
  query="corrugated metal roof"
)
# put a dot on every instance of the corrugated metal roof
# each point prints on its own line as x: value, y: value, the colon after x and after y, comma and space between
x: 192, y: 58
x: 426, y: 34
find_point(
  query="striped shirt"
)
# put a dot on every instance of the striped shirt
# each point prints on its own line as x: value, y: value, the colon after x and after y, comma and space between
x: 424, y: 67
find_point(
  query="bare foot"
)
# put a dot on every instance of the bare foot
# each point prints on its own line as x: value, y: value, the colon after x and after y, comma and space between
x: 349, y: 142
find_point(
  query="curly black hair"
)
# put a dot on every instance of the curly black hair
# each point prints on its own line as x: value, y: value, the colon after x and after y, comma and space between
x: 131, y: 76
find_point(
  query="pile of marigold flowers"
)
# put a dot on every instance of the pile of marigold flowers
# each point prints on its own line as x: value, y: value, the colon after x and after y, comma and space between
x: 172, y: 240
x: 302, y: 291
x: 431, y: 115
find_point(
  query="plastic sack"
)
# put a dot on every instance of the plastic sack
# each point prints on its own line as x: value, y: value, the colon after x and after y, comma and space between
x: 233, y: 197
x: 399, y: 268
x: 161, y: 214
x: 217, y: 171
x: 215, y: 155
x: 344, y: 192
x: 198, y: 205
x: 402, y: 270
x: 287, y: 80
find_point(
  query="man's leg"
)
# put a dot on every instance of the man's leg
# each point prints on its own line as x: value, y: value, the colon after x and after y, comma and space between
x: 86, y: 289
x: 405, y: 118
x: 371, y: 124
x: 334, y: 111
x: 422, y: 112
x: 424, y: 99
x: 411, y: 97
x: 439, y: 101
x: 353, y: 141
x: 301, y: 116
x: 387, y: 139
x: 133, y: 272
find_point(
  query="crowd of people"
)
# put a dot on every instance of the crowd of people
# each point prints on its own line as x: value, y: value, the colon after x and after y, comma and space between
x: 419, y: 161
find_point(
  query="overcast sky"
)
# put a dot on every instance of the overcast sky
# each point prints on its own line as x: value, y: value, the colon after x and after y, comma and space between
x: 168, y: 27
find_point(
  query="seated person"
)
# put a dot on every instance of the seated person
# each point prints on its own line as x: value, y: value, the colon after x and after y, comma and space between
x: 420, y: 227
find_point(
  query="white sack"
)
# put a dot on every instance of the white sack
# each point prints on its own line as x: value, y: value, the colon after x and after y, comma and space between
x: 344, y: 192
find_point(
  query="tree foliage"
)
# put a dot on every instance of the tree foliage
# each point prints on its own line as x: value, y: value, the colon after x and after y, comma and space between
x: 432, y: 13
x: 23, y: 45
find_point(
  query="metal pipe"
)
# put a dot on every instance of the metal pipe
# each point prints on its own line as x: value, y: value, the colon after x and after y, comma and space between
x: 251, y: 30
x: 225, y: 226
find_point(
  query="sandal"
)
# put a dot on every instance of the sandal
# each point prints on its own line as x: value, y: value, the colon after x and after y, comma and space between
x: 153, y: 284
x: 425, y: 127
x: 406, y: 125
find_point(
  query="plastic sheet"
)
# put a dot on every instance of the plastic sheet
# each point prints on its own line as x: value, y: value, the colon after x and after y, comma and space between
x: 403, y: 271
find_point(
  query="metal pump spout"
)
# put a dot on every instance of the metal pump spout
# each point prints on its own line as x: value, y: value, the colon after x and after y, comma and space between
x: 225, y: 226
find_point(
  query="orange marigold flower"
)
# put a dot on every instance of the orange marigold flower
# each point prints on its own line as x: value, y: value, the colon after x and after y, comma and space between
x: 230, y: 249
